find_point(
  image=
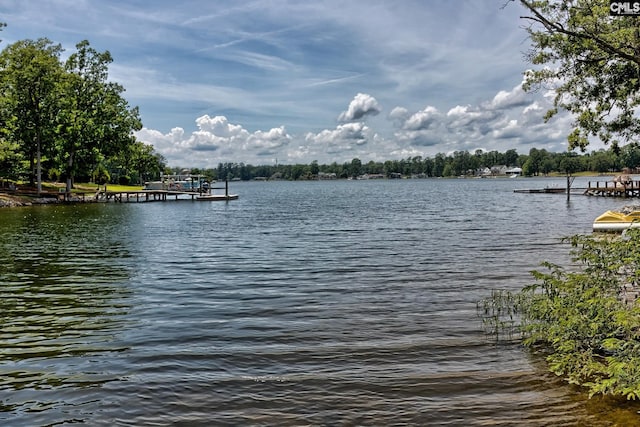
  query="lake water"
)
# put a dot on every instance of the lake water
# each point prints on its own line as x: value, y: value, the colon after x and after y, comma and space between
x: 344, y: 303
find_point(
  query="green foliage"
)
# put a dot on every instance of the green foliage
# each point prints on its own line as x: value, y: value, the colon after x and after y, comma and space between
x: 95, y: 120
x: 101, y: 175
x: 10, y: 159
x: 67, y: 112
x: 591, y: 59
x: 538, y: 161
x: 587, y: 320
x: 29, y: 74
x: 54, y: 174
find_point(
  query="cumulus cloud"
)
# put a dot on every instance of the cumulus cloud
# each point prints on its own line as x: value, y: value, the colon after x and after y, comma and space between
x: 503, y: 100
x: 361, y: 106
x: 507, y: 129
x: 465, y: 116
x: 348, y: 133
x: 399, y: 113
x: 268, y: 143
x: 215, y: 134
x: 423, y: 119
x: 510, y: 119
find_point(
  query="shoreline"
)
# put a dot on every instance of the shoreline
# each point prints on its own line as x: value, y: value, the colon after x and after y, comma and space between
x: 15, y: 201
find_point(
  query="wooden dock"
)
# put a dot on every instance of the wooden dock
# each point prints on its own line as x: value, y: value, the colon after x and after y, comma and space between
x: 597, y: 188
x: 613, y: 189
x: 140, y: 196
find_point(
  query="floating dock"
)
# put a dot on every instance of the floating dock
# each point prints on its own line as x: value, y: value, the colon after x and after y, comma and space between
x: 548, y: 190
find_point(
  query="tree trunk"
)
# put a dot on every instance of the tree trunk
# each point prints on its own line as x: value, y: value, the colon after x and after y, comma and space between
x: 69, y: 174
x: 39, y: 168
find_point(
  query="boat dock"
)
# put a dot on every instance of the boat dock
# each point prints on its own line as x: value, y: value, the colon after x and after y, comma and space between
x: 613, y: 189
x: 597, y: 188
x: 159, y: 195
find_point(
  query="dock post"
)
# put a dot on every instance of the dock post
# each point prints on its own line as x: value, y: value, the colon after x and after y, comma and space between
x: 226, y: 188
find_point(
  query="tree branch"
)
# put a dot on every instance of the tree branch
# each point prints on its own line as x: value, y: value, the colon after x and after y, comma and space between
x: 556, y: 27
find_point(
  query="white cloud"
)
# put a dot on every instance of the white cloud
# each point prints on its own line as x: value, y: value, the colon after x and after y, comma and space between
x: 268, y: 143
x: 508, y: 120
x: 423, y: 120
x: 344, y: 136
x: 516, y: 97
x: 219, y: 126
x: 223, y: 140
x: 361, y: 106
x: 399, y: 113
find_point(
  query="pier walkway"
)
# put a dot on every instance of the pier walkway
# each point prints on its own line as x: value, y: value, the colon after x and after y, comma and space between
x: 138, y: 196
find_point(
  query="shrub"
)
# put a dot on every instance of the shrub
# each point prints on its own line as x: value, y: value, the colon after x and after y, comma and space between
x: 586, y: 321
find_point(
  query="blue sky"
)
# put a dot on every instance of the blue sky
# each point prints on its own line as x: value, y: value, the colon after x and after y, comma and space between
x: 297, y: 81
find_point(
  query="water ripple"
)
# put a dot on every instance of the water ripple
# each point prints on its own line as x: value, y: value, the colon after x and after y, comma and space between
x: 320, y: 303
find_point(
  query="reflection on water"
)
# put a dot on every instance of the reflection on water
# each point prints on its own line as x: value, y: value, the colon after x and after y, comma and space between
x: 318, y: 303
x: 63, y: 292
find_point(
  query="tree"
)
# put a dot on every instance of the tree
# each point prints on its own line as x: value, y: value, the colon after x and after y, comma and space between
x: 511, y: 157
x: 602, y: 161
x: 30, y: 74
x: 568, y: 163
x: 10, y: 159
x: 355, y: 168
x: 533, y: 165
x: 593, y: 61
x: 630, y: 155
x: 314, y: 168
x: 439, y: 165
x: 96, y: 119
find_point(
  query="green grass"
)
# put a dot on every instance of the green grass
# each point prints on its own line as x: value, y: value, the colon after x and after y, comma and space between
x: 85, y: 187
x: 110, y: 187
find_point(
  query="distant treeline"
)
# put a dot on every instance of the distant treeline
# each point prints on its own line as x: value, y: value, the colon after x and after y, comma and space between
x: 537, y: 162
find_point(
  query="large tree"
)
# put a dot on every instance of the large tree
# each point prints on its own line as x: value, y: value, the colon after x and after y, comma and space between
x: 96, y: 120
x: 592, y: 60
x: 30, y: 72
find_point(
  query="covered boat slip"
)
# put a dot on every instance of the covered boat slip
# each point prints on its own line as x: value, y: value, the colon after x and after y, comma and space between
x: 163, y: 191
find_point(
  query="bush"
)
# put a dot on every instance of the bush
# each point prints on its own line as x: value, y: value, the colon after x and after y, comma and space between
x: 586, y: 321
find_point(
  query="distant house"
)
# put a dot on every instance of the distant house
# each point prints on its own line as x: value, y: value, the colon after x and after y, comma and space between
x: 499, y: 170
x: 514, y: 171
x: 324, y: 175
x: 484, y: 172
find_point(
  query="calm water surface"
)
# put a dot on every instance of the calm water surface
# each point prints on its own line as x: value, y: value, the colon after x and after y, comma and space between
x: 300, y: 304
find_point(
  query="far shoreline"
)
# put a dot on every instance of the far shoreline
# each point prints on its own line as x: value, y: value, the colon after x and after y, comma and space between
x: 11, y: 199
